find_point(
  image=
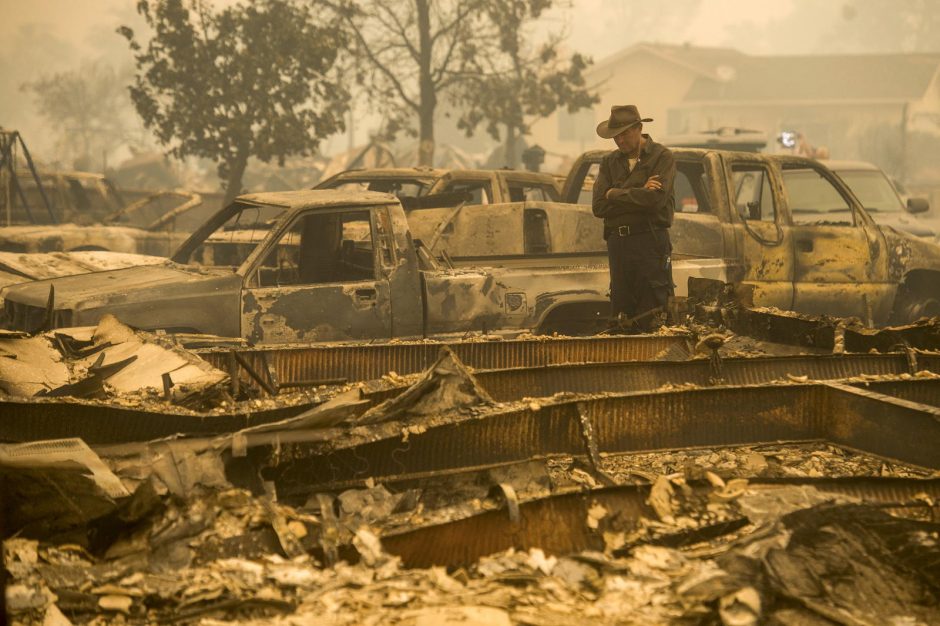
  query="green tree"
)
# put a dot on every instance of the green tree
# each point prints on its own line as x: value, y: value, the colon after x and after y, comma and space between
x: 412, y: 53
x: 256, y: 79
x: 521, y: 82
x: 85, y: 107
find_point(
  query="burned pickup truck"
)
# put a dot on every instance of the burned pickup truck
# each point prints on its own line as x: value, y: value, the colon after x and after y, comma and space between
x: 481, y: 186
x: 322, y: 265
x: 793, y: 234
x: 479, y: 216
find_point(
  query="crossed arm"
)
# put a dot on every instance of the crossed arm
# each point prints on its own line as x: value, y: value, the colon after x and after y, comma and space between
x: 610, y: 201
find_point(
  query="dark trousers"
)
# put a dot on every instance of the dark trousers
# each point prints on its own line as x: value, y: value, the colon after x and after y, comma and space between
x: 640, y: 276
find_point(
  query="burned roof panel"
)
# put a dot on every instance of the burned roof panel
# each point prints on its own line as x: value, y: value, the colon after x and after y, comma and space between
x: 318, y: 198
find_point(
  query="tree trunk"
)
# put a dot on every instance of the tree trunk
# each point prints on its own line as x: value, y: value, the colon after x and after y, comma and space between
x: 428, y: 100
x: 510, y: 147
x: 426, y: 145
x: 236, y: 170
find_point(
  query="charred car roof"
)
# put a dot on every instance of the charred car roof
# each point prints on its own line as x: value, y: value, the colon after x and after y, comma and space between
x: 431, y: 175
x: 317, y: 198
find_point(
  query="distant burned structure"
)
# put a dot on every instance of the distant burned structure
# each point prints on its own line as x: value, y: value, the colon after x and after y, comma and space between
x: 67, y: 211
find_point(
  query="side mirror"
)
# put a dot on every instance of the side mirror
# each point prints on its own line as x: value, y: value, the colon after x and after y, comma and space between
x: 753, y: 210
x: 917, y: 205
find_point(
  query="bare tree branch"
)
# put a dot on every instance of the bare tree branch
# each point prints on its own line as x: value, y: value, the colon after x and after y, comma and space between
x: 458, y: 19
x: 402, y: 31
x: 385, y: 71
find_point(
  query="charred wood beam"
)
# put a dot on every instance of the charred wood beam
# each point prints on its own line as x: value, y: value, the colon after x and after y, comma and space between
x: 255, y: 376
x: 716, y: 303
x: 924, y: 335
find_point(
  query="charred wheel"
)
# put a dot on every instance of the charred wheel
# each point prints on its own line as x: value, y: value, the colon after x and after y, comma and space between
x: 578, y: 319
x: 918, y: 297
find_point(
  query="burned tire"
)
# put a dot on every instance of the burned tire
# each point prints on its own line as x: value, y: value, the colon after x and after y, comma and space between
x: 580, y: 319
x: 913, y: 304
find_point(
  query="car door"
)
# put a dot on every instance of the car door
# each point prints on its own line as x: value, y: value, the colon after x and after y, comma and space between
x: 763, y: 241
x: 526, y: 190
x: 698, y: 228
x: 840, y: 260
x: 479, y: 188
x: 325, y: 278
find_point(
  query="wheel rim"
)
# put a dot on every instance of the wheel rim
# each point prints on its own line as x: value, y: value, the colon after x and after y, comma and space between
x: 925, y: 308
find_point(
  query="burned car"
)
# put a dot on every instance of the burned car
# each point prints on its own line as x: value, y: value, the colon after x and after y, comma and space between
x: 480, y: 186
x: 323, y: 265
x: 881, y: 199
x: 793, y: 234
x: 83, y: 211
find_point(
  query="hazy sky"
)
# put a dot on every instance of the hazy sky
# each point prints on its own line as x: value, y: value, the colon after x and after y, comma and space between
x: 597, y: 27
x: 600, y: 27
x: 47, y: 36
x: 41, y: 37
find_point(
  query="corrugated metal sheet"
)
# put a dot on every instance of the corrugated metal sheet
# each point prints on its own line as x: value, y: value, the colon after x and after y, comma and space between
x: 101, y: 423
x: 841, y: 414
x: 367, y: 362
x: 557, y: 525
x: 638, y: 376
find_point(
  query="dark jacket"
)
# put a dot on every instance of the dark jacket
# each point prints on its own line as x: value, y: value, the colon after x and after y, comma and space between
x: 639, y: 206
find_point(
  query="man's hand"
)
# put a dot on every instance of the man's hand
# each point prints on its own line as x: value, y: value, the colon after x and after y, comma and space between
x: 652, y: 183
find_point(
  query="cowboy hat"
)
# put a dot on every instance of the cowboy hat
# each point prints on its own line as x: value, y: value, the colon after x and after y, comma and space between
x: 622, y: 117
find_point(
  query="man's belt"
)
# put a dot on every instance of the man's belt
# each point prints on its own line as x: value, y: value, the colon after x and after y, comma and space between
x: 632, y: 229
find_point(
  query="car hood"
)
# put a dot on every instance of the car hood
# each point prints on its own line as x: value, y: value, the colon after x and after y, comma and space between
x: 908, y: 252
x: 138, y: 284
x: 903, y: 222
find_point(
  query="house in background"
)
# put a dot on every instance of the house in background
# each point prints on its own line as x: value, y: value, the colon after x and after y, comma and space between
x: 655, y: 77
x: 883, y: 108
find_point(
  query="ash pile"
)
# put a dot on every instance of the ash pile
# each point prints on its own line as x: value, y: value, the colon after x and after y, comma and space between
x: 652, y: 479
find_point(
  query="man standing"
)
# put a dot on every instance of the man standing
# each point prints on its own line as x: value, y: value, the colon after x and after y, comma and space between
x: 633, y: 192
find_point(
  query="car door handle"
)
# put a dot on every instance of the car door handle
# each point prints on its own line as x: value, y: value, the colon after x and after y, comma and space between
x: 365, y: 294
x: 804, y: 245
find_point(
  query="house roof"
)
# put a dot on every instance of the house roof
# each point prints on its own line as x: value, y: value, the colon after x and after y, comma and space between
x: 704, y: 61
x: 895, y: 77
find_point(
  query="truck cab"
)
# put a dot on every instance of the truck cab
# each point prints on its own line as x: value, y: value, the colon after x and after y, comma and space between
x: 793, y: 234
x: 479, y: 186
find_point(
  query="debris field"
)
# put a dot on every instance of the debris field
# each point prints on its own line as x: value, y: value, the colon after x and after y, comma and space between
x: 693, y: 476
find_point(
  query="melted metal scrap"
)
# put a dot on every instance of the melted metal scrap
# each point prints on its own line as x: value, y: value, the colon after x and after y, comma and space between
x: 921, y: 335
x: 904, y: 430
x: 110, y: 360
x: 50, y: 486
x: 717, y: 506
x: 352, y: 362
x: 446, y: 386
x: 22, y: 267
x: 225, y: 555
